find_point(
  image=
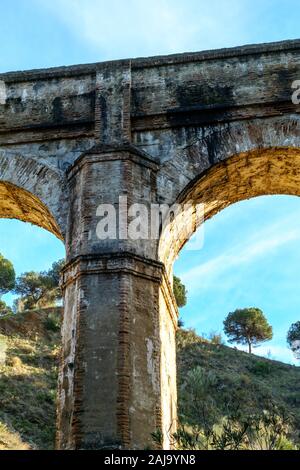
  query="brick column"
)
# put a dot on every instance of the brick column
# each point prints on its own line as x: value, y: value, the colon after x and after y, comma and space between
x: 118, y: 372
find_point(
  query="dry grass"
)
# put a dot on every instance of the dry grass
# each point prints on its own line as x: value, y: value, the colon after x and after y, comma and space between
x: 11, y: 440
x: 28, y: 380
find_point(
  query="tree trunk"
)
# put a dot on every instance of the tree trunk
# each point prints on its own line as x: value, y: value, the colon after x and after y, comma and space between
x: 249, y: 346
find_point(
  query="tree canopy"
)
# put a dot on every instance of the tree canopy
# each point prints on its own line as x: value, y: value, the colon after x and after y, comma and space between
x: 247, y: 326
x: 33, y: 287
x: 180, y: 292
x: 4, y: 309
x: 54, y: 272
x: 7, y: 275
x: 293, y: 339
x: 38, y: 289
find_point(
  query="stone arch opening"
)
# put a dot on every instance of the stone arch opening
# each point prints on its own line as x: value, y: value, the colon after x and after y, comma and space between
x: 17, y: 203
x: 242, y: 176
x: 33, y: 192
x: 260, y: 172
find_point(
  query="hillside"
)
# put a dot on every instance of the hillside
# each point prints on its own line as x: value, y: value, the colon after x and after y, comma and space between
x: 215, y: 380
x: 29, y: 349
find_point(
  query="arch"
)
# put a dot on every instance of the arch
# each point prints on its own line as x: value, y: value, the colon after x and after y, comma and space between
x: 31, y: 191
x: 241, y: 176
x: 188, y: 152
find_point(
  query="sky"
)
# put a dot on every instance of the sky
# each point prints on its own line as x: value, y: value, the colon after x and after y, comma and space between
x: 250, y: 258
x: 251, y: 251
x: 46, y: 33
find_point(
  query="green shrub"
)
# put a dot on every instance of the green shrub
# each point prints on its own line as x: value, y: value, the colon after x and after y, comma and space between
x: 245, y: 380
x: 186, y: 338
x: 286, y: 444
x: 267, y: 430
x: 293, y: 399
x: 53, y: 323
x: 5, y: 310
x: 261, y: 368
x: 215, y: 337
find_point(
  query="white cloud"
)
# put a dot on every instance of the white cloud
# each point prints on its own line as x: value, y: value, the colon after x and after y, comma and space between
x: 263, y: 243
x: 121, y: 28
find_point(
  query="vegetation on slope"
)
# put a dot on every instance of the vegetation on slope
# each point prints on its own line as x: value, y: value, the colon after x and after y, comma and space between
x: 29, y: 348
x: 223, y: 382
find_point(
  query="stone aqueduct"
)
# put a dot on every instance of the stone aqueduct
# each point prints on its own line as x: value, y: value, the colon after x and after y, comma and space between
x: 213, y: 127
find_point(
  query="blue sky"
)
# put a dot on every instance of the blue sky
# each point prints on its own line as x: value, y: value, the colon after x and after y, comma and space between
x: 251, y: 252
x: 250, y: 258
x: 45, y: 33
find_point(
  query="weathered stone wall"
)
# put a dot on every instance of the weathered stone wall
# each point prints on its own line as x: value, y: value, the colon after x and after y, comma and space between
x: 168, y: 317
x: 214, y: 128
x: 243, y: 176
x: 33, y: 192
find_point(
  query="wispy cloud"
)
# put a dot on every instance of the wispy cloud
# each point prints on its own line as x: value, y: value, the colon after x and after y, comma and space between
x: 118, y: 28
x: 263, y: 243
x: 250, y: 257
